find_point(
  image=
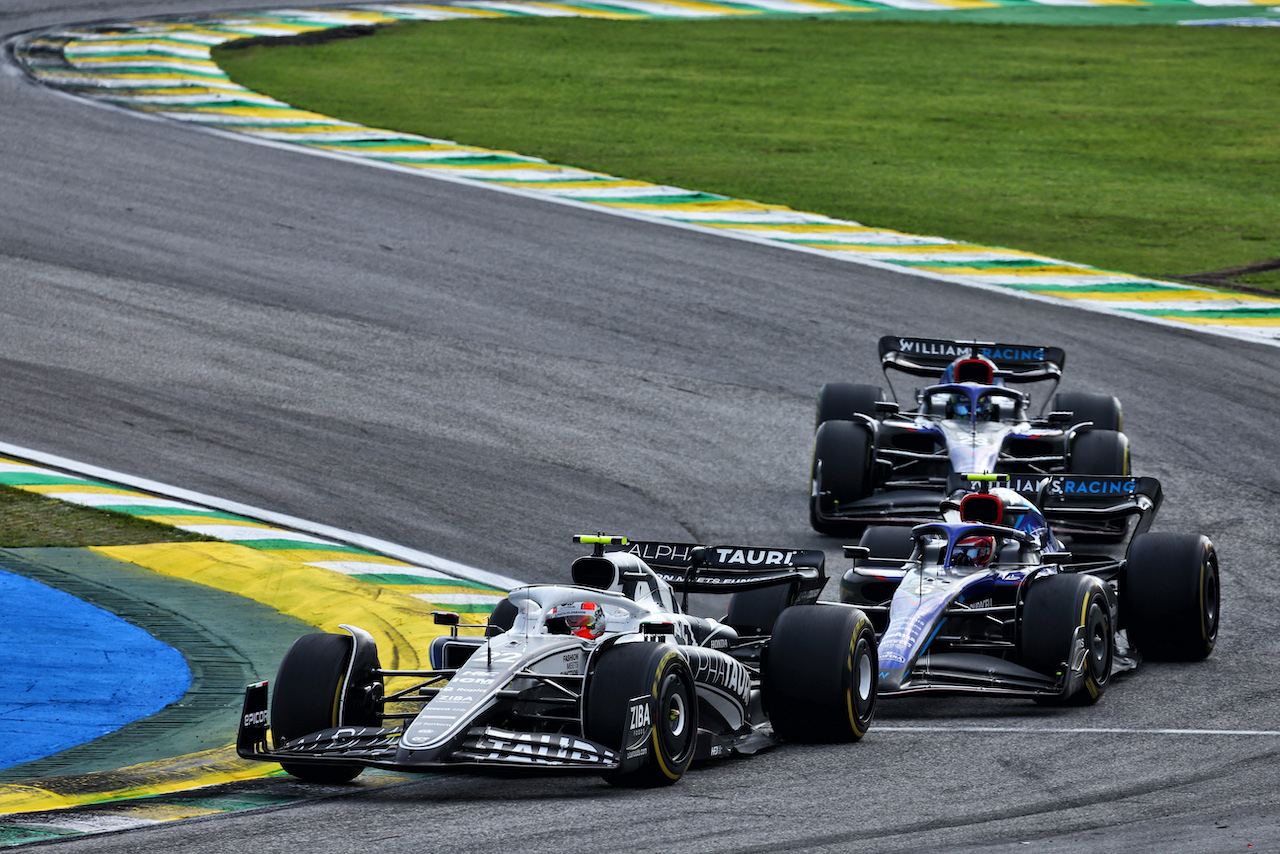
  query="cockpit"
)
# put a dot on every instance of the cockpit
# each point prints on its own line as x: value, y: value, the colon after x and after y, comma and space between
x: 627, y: 575
x: 973, y: 403
x: 958, y: 550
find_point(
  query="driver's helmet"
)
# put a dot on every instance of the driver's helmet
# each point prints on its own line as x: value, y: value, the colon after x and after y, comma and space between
x: 949, y: 405
x: 973, y: 552
x: 584, y: 619
x: 988, y: 408
x: 995, y: 406
x: 957, y: 406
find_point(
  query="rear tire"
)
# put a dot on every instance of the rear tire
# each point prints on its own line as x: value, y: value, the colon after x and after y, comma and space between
x: 819, y: 676
x: 310, y: 688
x: 1102, y: 452
x: 753, y: 612
x: 1054, y: 609
x: 844, y: 401
x: 1169, y: 596
x: 656, y: 671
x: 841, y: 472
x: 1102, y: 409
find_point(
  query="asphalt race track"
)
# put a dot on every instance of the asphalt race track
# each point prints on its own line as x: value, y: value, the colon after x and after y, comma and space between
x: 481, y: 376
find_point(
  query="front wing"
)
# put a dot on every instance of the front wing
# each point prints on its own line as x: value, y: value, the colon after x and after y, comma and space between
x: 969, y: 673
x: 478, y: 748
x: 379, y: 747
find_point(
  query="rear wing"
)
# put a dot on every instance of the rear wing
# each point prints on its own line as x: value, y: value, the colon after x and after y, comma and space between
x: 1099, y: 493
x: 1085, y: 503
x: 1015, y: 363
x: 1076, y: 503
x: 693, y: 568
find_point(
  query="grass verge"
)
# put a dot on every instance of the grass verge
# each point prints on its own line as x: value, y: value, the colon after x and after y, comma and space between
x: 29, y: 520
x: 1151, y: 150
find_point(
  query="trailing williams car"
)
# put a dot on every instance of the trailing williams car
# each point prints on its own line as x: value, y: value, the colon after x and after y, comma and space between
x: 608, y: 675
x: 989, y: 600
x: 876, y: 462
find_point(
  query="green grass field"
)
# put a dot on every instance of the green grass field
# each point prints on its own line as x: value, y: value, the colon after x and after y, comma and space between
x: 28, y: 520
x: 1153, y: 150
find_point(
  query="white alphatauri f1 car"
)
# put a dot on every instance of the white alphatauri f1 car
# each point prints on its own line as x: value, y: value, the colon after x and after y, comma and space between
x: 608, y: 675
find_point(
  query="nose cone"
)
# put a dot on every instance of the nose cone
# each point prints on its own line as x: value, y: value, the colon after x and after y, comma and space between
x: 408, y: 757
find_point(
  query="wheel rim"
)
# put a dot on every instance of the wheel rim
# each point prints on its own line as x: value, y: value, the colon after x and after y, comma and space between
x: 1210, y: 594
x: 674, y: 726
x: 1099, y: 645
x: 675, y: 716
x: 864, y: 676
x: 862, y: 686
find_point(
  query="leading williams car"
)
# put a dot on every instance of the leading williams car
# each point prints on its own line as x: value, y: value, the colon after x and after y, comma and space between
x: 875, y: 461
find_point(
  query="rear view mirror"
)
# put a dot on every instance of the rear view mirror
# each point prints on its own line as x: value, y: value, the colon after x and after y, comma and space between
x: 1060, y: 418
x: 857, y: 553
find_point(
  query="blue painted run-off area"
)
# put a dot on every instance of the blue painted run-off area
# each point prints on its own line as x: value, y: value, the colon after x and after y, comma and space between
x: 71, y: 672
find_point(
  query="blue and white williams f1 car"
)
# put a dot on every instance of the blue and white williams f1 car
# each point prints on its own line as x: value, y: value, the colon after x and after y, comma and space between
x: 989, y: 600
x: 877, y: 462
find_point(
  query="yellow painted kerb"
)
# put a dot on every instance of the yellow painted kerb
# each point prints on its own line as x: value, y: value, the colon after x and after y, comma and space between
x: 401, y: 624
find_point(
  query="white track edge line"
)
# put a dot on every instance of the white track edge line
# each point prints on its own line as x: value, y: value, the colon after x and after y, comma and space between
x: 1022, y: 730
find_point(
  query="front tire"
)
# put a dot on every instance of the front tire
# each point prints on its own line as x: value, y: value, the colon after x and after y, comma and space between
x: 841, y: 471
x: 660, y: 674
x: 1057, y: 608
x: 845, y: 401
x: 820, y: 673
x: 1101, y: 452
x: 1169, y: 596
x: 312, y: 694
x: 1102, y: 409
x: 501, y: 618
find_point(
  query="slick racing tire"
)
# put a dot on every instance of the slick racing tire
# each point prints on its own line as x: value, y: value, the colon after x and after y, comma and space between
x: 667, y: 729
x: 309, y: 689
x: 1055, y: 608
x: 501, y: 619
x: 1104, y: 452
x: 844, y: 401
x: 890, y: 545
x: 1169, y: 596
x: 753, y: 612
x: 819, y: 675
x: 1102, y: 409
x: 1101, y: 452
x: 841, y: 472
